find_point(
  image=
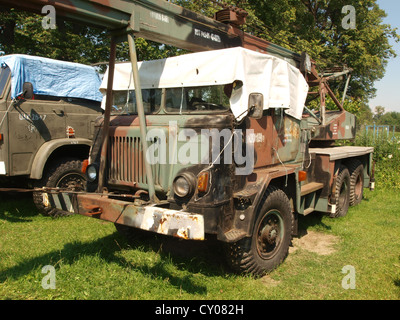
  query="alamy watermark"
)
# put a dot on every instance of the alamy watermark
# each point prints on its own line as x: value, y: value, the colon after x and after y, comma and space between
x: 349, y: 21
x: 349, y: 280
x: 49, y: 280
x: 49, y: 21
x: 189, y: 147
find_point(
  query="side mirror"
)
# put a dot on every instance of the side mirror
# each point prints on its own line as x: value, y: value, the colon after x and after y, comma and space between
x: 27, y: 90
x: 256, y: 105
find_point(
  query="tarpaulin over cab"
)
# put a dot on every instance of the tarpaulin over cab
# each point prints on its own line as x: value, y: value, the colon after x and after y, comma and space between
x: 52, y: 77
x: 282, y: 85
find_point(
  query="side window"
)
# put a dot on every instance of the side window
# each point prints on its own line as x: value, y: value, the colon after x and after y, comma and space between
x: 125, y: 101
x: 4, y: 75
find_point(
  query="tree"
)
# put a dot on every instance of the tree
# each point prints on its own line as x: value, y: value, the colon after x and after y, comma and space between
x: 319, y: 28
x: 390, y: 119
x: 364, y: 116
x: 379, y: 112
x: 22, y: 32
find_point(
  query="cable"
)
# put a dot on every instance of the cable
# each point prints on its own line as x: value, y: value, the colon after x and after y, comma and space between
x: 283, y: 166
x: 8, y: 110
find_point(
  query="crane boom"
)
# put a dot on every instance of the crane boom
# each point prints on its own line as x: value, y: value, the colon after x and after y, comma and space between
x: 160, y: 21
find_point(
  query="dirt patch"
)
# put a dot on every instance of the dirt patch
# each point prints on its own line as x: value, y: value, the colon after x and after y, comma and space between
x: 269, y: 282
x: 317, y: 242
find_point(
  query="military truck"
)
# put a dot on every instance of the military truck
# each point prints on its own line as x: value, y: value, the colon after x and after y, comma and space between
x: 217, y: 142
x: 47, y: 114
x: 230, y: 156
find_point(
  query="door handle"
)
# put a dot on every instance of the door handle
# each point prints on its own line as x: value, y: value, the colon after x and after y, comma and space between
x: 59, y: 112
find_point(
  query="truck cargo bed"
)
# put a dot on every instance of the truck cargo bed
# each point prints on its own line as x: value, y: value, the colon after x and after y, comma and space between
x: 336, y: 153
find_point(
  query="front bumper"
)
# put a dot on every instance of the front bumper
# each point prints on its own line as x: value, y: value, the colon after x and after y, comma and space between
x: 165, y: 221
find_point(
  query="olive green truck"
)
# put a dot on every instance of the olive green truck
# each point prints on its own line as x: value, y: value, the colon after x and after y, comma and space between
x: 47, y: 112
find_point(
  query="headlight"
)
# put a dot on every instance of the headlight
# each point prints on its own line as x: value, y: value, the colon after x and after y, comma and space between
x: 184, y: 185
x: 91, y: 173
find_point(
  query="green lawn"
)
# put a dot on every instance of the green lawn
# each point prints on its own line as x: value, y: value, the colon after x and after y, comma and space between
x: 92, y: 261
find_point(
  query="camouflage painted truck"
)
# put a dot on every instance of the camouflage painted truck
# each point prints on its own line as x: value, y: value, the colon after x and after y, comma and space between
x: 47, y: 114
x: 218, y: 142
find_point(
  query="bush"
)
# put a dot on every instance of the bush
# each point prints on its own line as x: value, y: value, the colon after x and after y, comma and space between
x: 386, y: 157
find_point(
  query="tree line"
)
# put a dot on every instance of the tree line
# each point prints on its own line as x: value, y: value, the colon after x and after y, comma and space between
x: 381, y: 117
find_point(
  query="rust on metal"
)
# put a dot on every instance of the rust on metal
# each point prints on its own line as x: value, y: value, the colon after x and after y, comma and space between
x: 94, y: 210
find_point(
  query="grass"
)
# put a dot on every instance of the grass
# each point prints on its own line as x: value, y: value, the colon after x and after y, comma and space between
x: 92, y: 261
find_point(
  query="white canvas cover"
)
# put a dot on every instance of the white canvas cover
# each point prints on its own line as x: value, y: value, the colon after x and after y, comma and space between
x: 282, y: 85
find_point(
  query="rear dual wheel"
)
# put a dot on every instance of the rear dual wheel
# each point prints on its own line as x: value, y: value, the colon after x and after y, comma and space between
x: 342, y: 193
x: 349, y: 187
x: 356, y: 170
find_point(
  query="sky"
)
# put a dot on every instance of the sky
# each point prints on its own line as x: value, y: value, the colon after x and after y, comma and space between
x: 388, y: 88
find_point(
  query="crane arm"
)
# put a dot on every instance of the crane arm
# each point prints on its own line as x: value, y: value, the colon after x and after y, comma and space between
x: 160, y: 21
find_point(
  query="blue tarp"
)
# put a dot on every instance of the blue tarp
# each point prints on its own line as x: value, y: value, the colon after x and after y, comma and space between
x: 53, y: 77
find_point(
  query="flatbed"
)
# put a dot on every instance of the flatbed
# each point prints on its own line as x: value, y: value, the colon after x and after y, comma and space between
x: 344, y: 152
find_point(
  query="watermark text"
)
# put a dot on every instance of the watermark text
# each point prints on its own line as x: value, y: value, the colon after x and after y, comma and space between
x: 49, y: 21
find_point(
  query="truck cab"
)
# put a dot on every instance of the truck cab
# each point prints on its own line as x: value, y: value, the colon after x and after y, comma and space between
x: 47, y: 113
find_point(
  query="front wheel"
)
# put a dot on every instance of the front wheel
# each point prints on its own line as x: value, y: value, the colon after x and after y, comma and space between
x: 64, y: 174
x: 269, y: 244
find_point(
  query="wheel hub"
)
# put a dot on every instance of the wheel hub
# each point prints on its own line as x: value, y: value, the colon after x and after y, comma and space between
x: 269, y: 234
x: 72, y: 182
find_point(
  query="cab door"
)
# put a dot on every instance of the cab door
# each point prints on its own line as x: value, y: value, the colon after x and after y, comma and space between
x: 31, y: 123
x: 80, y: 116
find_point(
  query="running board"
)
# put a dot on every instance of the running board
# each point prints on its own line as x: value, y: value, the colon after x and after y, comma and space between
x: 309, y: 197
x: 310, y: 187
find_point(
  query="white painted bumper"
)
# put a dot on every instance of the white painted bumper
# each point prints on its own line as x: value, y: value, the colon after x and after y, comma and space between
x: 175, y: 223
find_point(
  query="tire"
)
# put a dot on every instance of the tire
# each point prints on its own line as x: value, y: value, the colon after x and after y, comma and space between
x: 342, y: 193
x: 356, y: 170
x: 63, y: 174
x: 272, y: 233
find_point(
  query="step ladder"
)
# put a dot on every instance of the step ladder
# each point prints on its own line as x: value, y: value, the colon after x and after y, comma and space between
x: 308, y: 197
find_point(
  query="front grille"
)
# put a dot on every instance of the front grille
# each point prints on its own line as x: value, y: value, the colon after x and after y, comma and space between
x: 126, y: 162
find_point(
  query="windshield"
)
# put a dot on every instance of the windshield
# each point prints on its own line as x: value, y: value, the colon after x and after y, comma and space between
x: 4, y: 74
x: 177, y: 100
x: 207, y: 98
